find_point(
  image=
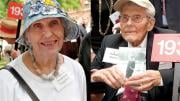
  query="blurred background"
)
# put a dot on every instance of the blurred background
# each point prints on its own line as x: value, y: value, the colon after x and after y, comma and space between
x: 79, y: 10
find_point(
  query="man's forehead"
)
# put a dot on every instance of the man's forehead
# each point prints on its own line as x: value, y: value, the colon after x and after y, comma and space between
x: 132, y: 5
x: 133, y: 9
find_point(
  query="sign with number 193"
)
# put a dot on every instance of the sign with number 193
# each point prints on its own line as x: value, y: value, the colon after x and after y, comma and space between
x: 166, y: 48
x: 15, y: 10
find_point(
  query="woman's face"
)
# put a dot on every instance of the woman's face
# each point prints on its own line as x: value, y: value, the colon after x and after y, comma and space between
x: 46, y: 35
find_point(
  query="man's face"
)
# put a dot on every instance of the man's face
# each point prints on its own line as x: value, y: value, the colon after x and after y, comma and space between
x: 135, y: 23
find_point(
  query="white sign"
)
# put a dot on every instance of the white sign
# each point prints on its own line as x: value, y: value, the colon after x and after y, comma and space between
x: 129, y: 60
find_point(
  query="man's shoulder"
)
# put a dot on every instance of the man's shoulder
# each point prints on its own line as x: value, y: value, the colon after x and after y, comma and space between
x: 114, y: 41
x: 162, y: 30
x: 113, y: 37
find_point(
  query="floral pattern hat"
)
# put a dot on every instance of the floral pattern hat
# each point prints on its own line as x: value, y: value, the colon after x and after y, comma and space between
x: 35, y: 10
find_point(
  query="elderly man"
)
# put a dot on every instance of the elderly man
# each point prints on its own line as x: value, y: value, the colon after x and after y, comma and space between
x: 137, y: 30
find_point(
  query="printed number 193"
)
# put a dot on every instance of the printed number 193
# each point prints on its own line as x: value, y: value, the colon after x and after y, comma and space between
x: 168, y: 47
x: 16, y: 11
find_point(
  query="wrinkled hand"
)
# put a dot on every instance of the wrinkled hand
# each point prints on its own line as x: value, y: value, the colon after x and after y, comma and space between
x: 144, y: 81
x: 111, y: 76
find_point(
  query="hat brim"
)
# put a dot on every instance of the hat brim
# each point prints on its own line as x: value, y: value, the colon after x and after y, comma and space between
x: 8, y: 28
x: 7, y: 35
x: 119, y: 4
x: 71, y: 28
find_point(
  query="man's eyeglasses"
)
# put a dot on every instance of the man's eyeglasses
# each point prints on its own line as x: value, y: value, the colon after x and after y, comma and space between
x: 134, y: 18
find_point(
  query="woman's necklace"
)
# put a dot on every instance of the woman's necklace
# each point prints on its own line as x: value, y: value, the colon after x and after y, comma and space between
x: 51, y: 76
x: 110, y: 11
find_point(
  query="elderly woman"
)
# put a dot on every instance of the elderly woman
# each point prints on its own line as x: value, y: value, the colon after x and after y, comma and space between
x: 51, y: 76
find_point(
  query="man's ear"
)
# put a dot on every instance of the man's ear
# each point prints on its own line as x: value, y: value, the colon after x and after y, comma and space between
x: 120, y: 25
x: 151, y: 24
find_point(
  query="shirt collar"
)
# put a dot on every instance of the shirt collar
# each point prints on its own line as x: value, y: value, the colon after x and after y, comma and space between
x: 143, y: 43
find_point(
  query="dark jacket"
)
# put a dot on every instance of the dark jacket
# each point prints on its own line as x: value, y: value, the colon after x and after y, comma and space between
x: 172, y: 13
x: 163, y: 93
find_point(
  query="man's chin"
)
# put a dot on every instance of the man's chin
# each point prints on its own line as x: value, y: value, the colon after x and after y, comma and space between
x: 130, y: 39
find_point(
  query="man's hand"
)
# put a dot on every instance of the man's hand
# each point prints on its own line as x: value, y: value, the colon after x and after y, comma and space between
x: 111, y: 76
x: 144, y: 81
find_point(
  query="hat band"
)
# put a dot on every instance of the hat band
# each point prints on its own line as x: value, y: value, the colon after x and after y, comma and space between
x: 6, y: 30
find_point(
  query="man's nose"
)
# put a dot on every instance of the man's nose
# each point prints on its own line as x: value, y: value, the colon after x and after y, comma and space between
x: 129, y: 22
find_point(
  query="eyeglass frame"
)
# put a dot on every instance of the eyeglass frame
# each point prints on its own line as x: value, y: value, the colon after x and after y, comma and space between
x: 140, y: 19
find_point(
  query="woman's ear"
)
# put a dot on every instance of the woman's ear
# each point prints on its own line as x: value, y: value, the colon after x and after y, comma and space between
x: 26, y: 37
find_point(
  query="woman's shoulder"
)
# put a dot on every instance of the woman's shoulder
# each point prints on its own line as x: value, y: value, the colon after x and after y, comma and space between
x: 72, y: 64
x: 4, y: 73
x: 70, y: 60
x: 6, y: 78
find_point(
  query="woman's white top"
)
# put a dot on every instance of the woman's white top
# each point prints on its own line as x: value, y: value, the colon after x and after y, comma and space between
x: 69, y: 85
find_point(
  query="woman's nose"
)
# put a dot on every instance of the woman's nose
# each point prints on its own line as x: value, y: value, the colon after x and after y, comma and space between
x: 47, y: 33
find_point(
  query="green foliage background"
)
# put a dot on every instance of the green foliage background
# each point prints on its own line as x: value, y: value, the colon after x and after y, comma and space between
x: 70, y: 4
x: 66, y: 4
